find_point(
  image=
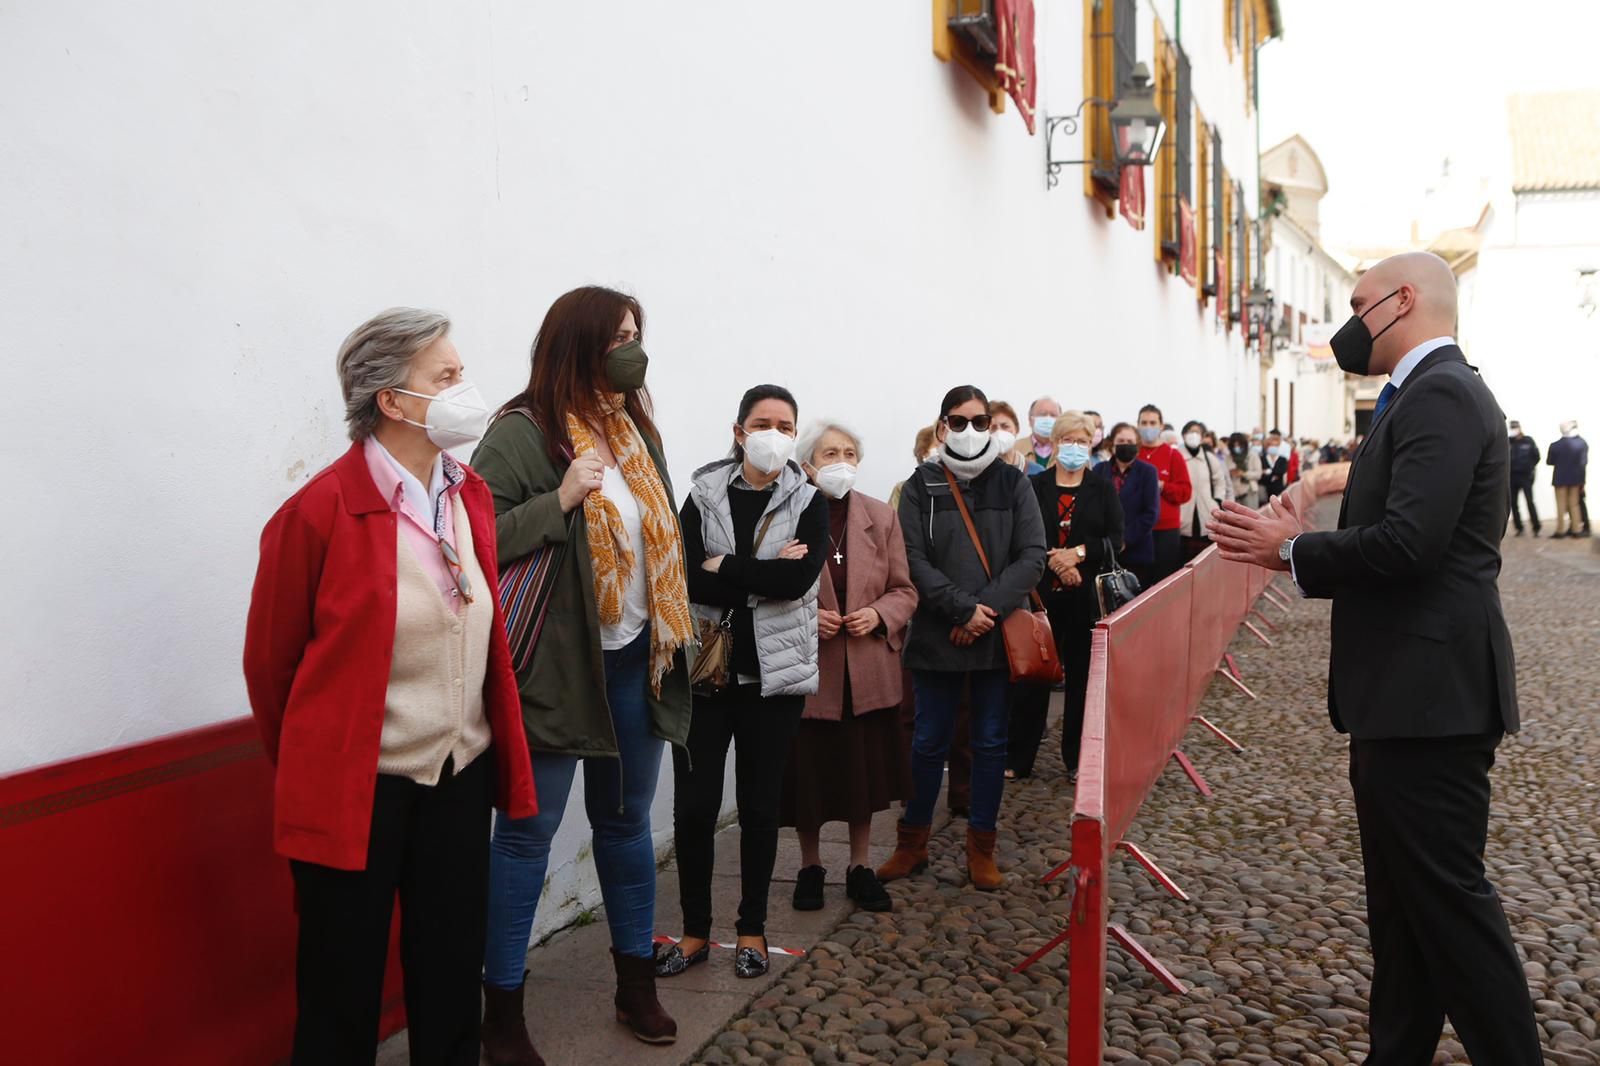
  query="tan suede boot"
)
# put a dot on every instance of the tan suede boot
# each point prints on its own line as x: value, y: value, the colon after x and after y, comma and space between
x: 981, y: 869
x: 910, y: 853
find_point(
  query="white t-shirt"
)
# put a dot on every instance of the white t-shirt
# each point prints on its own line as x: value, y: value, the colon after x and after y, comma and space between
x: 636, y: 593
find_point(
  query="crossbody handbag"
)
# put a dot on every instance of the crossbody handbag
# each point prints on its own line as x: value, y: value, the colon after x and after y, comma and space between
x: 1030, y: 645
x: 1114, y: 587
x: 713, y: 663
x: 526, y: 585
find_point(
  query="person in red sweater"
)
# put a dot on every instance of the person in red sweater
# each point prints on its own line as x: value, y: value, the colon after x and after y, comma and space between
x: 1176, y: 490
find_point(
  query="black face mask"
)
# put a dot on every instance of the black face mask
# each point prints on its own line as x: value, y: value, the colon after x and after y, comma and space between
x: 1126, y: 453
x: 1352, y: 345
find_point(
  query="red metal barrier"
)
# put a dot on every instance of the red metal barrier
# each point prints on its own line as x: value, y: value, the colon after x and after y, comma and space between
x: 143, y: 882
x: 1150, y: 666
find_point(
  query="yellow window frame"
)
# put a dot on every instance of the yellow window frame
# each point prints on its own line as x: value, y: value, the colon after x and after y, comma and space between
x: 948, y: 48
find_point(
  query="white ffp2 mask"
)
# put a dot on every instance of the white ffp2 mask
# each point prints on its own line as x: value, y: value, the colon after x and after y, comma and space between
x: 836, y: 480
x: 768, y: 449
x: 456, y: 416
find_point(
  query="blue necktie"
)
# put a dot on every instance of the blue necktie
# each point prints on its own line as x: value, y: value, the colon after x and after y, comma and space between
x: 1383, y: 400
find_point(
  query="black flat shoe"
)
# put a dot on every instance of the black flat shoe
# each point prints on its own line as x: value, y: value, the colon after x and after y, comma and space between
x: 673, y: 961
x: 861, y: 884
x: 808, y: 894
x: 749, y: 962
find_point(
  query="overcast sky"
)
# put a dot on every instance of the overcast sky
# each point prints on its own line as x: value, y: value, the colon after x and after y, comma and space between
x: 1384, y: 90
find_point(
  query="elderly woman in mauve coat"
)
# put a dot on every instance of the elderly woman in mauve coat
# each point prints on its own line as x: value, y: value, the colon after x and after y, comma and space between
x: 847, y: 761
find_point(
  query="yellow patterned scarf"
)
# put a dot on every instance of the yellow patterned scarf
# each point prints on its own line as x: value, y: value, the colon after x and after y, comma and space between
x: 611, y: 554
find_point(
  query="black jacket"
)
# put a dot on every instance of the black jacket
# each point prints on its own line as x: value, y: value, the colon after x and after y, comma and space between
x: 1096, y: 516
x: 1420, y: 644
x: 1524, y: 460
x: 945, y: 568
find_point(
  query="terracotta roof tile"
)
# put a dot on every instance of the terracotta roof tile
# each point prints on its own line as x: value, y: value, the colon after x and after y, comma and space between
x: 1555, y: 140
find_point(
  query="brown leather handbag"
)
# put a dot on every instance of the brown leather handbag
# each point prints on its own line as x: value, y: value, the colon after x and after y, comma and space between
x: 713, y: 663
x: 1030, y: 645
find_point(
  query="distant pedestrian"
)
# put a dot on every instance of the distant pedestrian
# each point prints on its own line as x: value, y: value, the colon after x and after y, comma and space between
x: 1244, y: 470
x: 1139, y: 489
x: 1210, y: 483
x: 1524, y: 467
x: 1041, y: 420
x: 1082, y: 520
x: 1570, y: 457
x: 1275, y: 471
x: 1176, y: 490
x: 1005, y: 428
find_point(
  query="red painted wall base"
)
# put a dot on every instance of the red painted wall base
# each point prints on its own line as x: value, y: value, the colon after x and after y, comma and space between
x: 144, y: 918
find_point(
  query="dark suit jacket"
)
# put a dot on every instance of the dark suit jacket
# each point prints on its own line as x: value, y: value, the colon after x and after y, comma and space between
x: 1141, y: 506
x: 1420, y: 644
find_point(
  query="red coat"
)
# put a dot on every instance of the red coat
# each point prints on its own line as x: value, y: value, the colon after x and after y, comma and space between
x: 1176, y: 488
x: 879, y: 577
x: 317, y: 652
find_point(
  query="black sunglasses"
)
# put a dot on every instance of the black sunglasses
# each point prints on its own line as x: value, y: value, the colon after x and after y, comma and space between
x: 957, y: 423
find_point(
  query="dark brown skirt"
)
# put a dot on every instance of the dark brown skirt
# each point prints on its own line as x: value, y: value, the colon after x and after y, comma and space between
x: 844, y: 771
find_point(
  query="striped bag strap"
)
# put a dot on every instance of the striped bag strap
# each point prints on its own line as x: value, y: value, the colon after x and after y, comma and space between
x: 526, y: 585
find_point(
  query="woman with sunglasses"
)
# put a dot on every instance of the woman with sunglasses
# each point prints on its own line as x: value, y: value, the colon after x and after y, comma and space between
x: 955, y: 643
x: 378, y: 670
x: 576, y: 465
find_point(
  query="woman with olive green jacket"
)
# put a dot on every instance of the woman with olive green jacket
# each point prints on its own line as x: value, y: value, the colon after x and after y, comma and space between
x: 575, y: 465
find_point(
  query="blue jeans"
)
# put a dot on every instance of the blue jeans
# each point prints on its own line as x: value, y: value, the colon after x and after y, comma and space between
x: 938, y: 695
x: 617, y: 794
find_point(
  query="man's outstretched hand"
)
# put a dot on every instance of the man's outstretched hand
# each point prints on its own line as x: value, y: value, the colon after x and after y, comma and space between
x: 1246, y: 536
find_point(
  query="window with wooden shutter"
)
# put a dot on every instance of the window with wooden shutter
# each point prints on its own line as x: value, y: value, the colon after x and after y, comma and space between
x: 1239, y: 278
x: 1249, y: 48
x: 1110, y: 51
x: 1165, y: 165
x: 1202, y: 220
x: 964, y: 33
x: 1217, y: 268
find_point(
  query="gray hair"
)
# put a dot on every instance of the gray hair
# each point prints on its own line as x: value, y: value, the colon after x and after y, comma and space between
x: 377, y: 355
x: 807, y: 444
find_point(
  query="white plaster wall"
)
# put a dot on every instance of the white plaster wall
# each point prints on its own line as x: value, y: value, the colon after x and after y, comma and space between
x: 200, y: 199
x: 1523, y: 328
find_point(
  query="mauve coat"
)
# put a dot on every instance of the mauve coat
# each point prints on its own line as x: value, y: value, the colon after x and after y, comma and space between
x: 880, y: 578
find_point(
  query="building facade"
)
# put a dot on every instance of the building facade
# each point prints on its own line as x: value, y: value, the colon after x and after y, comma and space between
x: 204, y: 199
x: 1304, y: 394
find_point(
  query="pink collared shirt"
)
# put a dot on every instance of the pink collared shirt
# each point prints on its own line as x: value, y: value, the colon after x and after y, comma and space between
x: 423, y: 533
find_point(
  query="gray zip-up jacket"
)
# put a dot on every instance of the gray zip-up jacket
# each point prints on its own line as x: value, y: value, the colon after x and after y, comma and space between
x: 785, y: 630
x: 947, y: 572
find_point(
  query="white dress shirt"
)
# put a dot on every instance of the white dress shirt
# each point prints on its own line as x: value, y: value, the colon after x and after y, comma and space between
x: 1397, y: 378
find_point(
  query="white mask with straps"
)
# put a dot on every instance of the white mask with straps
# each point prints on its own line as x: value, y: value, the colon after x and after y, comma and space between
x: 456, y: 416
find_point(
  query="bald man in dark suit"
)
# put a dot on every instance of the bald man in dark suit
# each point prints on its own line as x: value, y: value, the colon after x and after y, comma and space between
x: 1421, y: 674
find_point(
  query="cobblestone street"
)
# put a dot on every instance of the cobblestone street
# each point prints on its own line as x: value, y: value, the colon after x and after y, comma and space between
x: 1273, y: 941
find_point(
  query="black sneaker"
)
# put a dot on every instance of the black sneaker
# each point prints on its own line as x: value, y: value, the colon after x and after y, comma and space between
x: 808, y: 889
x: 861, y: 884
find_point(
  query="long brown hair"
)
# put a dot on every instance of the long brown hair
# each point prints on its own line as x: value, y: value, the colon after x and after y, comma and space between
x: 569, y: 358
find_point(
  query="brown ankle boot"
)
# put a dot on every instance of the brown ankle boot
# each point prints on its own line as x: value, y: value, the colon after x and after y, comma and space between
x: 910, y: 853
x: 637, y: 1005
x: 505, y: 1031
x: 981, y: 869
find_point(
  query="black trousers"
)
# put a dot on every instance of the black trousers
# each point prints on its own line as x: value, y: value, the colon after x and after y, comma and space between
x: 1520, y: 491
x: 431, y: 845
x: 1440, y: 942
x: 760, y: 729
x: 1169, y: 554
x: 1071, y: 623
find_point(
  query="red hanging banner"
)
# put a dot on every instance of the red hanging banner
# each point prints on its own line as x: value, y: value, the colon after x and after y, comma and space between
x: 1014, y: 66
x: 1130, y: 196
x: 1188, y: 254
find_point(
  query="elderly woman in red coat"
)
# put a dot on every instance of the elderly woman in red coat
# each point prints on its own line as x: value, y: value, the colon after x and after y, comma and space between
x: 847, y: 761
x: 378, y: 671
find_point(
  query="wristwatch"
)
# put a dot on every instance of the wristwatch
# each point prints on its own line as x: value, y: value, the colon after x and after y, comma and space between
x: 1286, y: 550
x: 1082, y: 553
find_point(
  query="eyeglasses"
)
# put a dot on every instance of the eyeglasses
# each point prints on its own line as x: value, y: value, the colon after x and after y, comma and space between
x: 457, y: 574
x: 957, y: 423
